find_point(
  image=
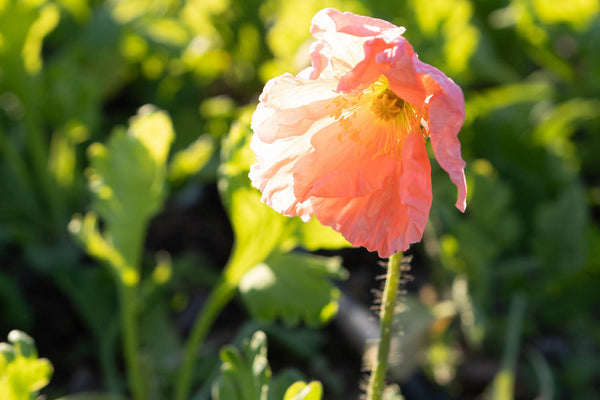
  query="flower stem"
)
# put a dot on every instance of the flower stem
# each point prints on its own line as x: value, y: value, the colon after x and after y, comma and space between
x: 388, y: 305
x: 128, y: 304
x: 220, y: 296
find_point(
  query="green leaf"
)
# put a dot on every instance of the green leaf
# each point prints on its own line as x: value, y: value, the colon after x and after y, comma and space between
x: 21, y: 372
x: 23, y: 27
x: 244, y: 375
x: 303, y: 391
x: 274, y: 288
x: 189, y: 161
x: 314, y: 236
x: 280, y: 383
x: 127, y: 176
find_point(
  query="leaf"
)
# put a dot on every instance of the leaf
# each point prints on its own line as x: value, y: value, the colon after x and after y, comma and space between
x: 244, y: 375
x: 303, y: 391
x: 314, y: 236
x: 293, y: 287
x: 280, y: 383
x: 23, y: 27
x: 22, y: 373
x: 127, y: 178
x: 192, y: 159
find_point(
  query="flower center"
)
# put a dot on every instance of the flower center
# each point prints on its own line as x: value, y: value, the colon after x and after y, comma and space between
x: 387, y: 105
x: 377, y: 118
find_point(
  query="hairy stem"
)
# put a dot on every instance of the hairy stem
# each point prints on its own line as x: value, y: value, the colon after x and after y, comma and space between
x: 388, y: 305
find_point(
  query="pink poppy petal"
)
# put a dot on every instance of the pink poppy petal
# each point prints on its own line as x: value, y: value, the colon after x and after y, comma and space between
x: 290, y: 105
x: 347, y: 22
x: 340, y: 38
x: 340, y: 167
x: 273, y: 174
x: 391, y: 218
x: 390, y: 55
x: 446, y: 116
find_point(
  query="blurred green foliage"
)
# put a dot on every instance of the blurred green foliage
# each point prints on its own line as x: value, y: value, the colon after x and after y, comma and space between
x: 22, y: 373
x: 247, y: 375
x: 72, y: 72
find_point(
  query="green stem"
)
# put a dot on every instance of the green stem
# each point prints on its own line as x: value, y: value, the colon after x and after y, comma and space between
x: 388, y: 306
x: 128, y: 304
x: 107, y: 365
x: 219, y: 297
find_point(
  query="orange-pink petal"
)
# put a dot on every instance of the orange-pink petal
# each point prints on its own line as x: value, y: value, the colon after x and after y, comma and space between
x: 391, y: 218
x: 340, y: 167
x: 446, y: 110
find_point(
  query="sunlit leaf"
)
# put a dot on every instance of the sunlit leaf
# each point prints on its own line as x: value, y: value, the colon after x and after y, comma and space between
x: 304, y: 391
x: 293, y: 287
x: 22, y: 373
x: 127, y: 177
x: 46, y: 22
x: 244, y: 375
x: 281, y: 382
x: 577, y: 13
x: 189, y: 161
x: 314, y: 236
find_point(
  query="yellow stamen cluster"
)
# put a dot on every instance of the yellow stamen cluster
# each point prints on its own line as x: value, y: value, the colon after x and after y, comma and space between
x: 377, y: 118
x: 387, y: 105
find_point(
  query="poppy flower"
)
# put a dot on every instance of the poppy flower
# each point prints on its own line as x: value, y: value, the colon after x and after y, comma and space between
x: 344, y: 140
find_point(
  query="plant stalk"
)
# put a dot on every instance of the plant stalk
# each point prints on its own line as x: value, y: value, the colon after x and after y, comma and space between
x: 129, y: 316
x: 388, y: 306
x: 219, y: 297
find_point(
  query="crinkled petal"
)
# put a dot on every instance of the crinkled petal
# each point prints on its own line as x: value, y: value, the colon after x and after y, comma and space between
x: 273, y: 174
x: 340, y: 39
x: 390, y: 55
x: 391, y: 218
x: 330, y: 19
x: 339, y: 166
x: 446, y: 109
x: 289, y: 106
